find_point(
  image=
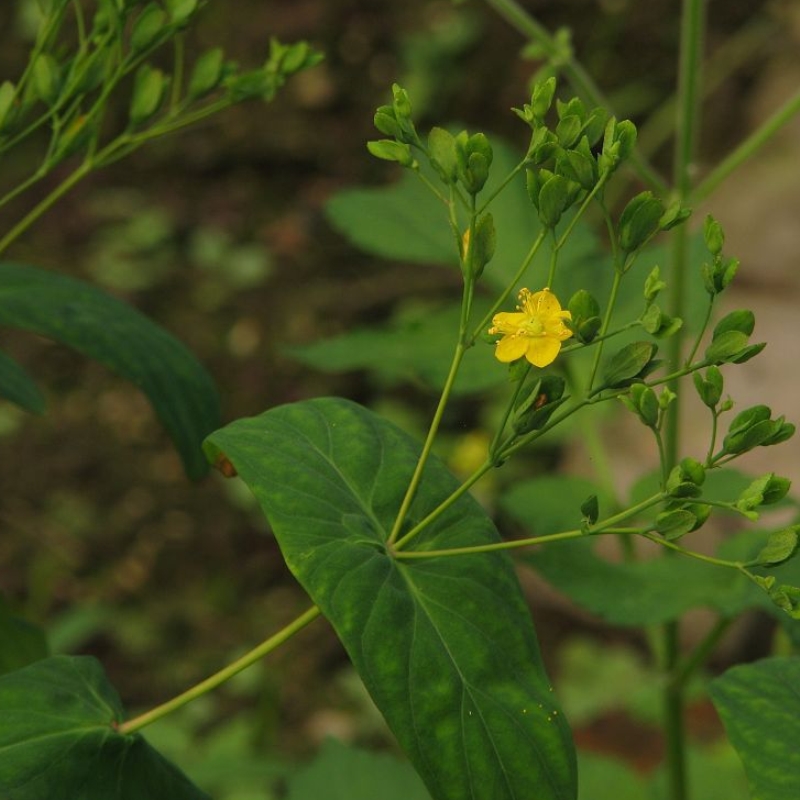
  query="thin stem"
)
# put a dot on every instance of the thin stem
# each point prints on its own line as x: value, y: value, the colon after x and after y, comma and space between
x: 609, y: 526
x: 687, y: 667
x: 256, y: 654
x: 416, y: 478
x: 687, y: 130
x: 51, y: 199
x: 497, y: 305
x: 494, y: 446
x: 604, y: 329
x: 701, y: 332
x: 510, y: 177
x: 751, y: 145
x: 444, y: 505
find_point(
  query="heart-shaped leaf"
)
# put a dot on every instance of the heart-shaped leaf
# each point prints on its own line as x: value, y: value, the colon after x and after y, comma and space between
x: 59, y: 738
x: 445, y: 645
x: 759, y: 705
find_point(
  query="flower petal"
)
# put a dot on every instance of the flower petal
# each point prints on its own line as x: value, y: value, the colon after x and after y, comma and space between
x: 507, y: 322
x: 510, y: 348
x: 542, y: 304
x: 542, y: 350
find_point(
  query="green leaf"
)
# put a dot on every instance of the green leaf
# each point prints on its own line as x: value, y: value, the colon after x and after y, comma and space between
x: 18, y: 387
x: 58, y: 738
x: 111, y: 332
x: 445, y: 646
x: 628, y: 363
x: 340, y: 772
x: 20, y: 642
x: 759, y: 705
x: 421, y: 343
x: 780, y: 547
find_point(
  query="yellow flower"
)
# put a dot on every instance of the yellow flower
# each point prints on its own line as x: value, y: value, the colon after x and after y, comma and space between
x: 535, y: 330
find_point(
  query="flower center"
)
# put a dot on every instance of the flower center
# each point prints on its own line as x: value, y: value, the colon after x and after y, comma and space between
x: 533, y: 326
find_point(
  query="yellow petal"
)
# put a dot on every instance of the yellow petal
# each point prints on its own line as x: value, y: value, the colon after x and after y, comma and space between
x: 507, y: 322
x: 542, y: 351
x: 557, y: 329
x: 542, y: 304
x: 510, y: 348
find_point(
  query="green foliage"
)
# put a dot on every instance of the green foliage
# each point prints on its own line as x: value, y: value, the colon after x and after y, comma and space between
x: 636, y: 593
x: 22, y: 643
x: 342, y: 773
x: 58, y: 728
x: 760, y: 708
x: 18, y: 387
x: 420, y: 340
x: 103, y: 328
x: 445, y: 646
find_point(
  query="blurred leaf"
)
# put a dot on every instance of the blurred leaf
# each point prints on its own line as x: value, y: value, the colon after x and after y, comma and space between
x: 21, y: 643
x: 416, y: 347
x: 405, y: 221
x: 598, y: 774
x: 343, y: 773
x: 714, y: 772
x: 446, y: 646
x: 103, y: 328
x: 642, y: 593
x: 759, y: 705
x: 58, y: 738
x: 222, y: 756
x: 18, y: 387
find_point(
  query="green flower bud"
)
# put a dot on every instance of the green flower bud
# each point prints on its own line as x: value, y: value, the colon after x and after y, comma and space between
x: 46, y: 78
x: 642, y: 401
x: 675, y: 215
x: 474, y: 157
x: 568, y: 130
x: 442, y: 149
x: 713, y: 235
x: 710, y: 387
x: 148, y: 92
x: 535, y: 408
x: 639, y: 221
x: 207, y: 74
x: 555, y: 197
x: 542, y: 98
x: 653, y: 285
x: 149, y: 25
x: 389, y: 150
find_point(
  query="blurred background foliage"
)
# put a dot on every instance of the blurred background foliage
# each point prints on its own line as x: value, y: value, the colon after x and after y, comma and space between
x: 220, y: 234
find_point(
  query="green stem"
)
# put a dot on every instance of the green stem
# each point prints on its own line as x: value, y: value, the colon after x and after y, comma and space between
x: 510, y: 177
x: 701, y: 332
x: 609, y: 526
x: 604, y: 329
x: 494, y: 446
x: 748, y: 147
x: 687, y: 129
x: 443, y: 506
x: 687, y: 667
x: 68, y: 183
x: 256, y: 654
x: 498, y: 304
x: 416, y: 478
